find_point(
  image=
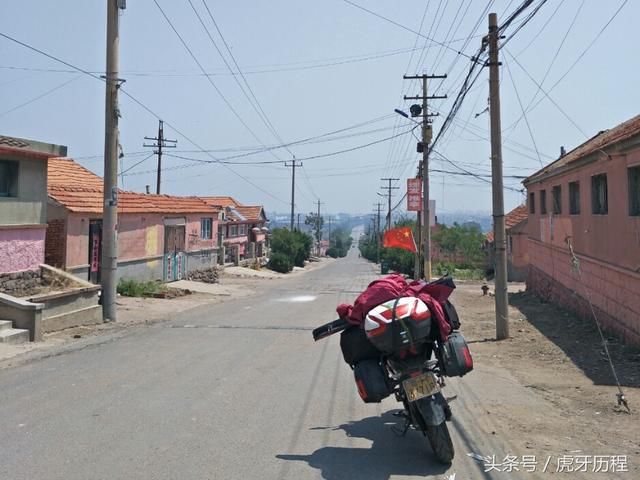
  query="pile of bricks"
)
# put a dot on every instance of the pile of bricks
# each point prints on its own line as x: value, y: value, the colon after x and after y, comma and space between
x: 208, y: 275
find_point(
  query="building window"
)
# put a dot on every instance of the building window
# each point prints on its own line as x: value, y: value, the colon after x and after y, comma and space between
x: 574, y: 198
x: 634, y: 191
x: 543, y: 202
x: 233, y: 231
x: 205, y: 228
x: 532, y: 202
x: 556, y: 194
x: 8, y: 178
x: 599, y: 199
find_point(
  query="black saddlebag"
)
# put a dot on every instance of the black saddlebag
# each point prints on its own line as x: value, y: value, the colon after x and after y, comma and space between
x: 371, y: 380
x: 451, y: 315
x: 356, y: 346
x: 455, y: 357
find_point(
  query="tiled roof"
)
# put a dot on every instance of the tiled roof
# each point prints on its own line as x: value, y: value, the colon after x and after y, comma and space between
x: 511, y: 219
x: 515, y: 216
x: 65, y: 172
x: 29, y: 148
x: 80, y: 191
x: 250, y: 212
x: 222, y: 201
x: 603, y: 139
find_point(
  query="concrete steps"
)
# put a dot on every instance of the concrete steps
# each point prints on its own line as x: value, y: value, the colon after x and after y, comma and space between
x: 10, y: 335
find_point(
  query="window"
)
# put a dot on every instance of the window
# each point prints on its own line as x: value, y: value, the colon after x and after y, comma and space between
x: 205, y: 228
x: 543, y: 201
x: 532, y: 202
x: 556, y: 194
x: 634, y: 191
x: 599, y: 200
x: 233, y: 232
x: 242, y: 229
x: 8, y: 178
x: 574, y: 198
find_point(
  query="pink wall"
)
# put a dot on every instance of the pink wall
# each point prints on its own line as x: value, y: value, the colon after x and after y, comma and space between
x: 21, y: 249
x: 519, y: 254
x: 139, y: 236
x: 613, y: 291
x: 614, y: 237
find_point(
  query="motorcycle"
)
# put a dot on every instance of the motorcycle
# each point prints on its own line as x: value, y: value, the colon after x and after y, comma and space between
x: 397, y: 351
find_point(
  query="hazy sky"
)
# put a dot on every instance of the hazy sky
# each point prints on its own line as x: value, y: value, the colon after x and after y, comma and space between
x: 315, y: 68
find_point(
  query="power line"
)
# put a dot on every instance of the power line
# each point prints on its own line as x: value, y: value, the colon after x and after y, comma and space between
x: 140, y: 104
x: 42, y: 95
x: 404, y: 27
x: 215, y: 87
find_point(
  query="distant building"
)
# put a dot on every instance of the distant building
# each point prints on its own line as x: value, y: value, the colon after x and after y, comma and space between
x: 23, y: 202
x: 589, y: 200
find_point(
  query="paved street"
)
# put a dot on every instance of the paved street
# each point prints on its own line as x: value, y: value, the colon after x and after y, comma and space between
x: 231, y: 391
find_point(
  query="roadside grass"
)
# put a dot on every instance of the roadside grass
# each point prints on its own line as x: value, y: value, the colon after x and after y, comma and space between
x: 133, y: 288
x: 460, y: 272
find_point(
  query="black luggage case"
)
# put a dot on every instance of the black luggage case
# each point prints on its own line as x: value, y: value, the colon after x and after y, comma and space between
x: 455, y: 357
x: 356, y: 346
x: 371, y: 380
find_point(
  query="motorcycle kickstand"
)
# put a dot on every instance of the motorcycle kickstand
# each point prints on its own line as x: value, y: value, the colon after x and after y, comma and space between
x: 407, y: 424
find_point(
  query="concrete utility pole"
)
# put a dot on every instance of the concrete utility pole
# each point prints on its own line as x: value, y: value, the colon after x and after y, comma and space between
x: 293, y: 164
x: 389, y: 188
x: 377, y: 230
x: 424, y: 148
x: 417, y: 268
x: 161, y: 143
x: 318, y: 229
x: 499, y: 233
x: 109, y: 267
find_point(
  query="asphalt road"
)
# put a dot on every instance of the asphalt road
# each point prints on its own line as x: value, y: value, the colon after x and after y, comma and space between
x: 232, y: 391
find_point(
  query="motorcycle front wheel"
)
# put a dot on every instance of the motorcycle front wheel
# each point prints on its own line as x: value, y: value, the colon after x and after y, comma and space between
x: 440, y: 442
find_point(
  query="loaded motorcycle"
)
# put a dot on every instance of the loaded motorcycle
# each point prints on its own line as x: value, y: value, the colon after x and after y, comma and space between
x: 405, y: 345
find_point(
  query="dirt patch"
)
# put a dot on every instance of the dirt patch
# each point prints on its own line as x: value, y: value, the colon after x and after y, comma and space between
x: 32, y: 283
x: 559, y: 357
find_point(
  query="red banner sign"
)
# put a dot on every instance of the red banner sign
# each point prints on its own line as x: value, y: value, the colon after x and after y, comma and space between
x: 414, y: 194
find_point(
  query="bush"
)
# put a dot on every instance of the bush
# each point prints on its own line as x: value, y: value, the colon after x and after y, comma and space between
x: 280, y: 262
x: 133, y: 288
x: 333, y: 252
x: 295, y: 246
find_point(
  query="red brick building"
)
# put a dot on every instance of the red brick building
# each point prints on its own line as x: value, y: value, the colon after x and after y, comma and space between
x: 589, y: 199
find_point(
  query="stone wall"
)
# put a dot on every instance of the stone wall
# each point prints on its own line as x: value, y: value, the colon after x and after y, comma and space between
x: 20, y: 284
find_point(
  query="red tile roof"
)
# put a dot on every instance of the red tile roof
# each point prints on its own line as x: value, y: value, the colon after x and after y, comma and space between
x: 603, y: 139
x: 222, y: 201
x: 80, y: 191
x: 511, y: 219
x: 250, y: 212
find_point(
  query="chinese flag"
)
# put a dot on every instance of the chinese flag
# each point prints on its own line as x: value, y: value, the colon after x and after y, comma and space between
x: 400, y: 238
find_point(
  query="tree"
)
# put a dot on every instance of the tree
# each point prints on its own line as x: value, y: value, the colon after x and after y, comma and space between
x: 294, y: 246
x: 317, y: 222
x: 462, y: 243
x: 339, y: 243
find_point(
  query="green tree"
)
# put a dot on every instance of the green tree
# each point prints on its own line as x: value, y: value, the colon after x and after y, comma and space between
x: 463, y: 244
x: 316, y: 222
x: 294, y: 246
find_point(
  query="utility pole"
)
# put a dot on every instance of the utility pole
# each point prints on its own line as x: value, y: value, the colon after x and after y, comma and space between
x: 161, y: 143
x: 417, y: 268
x: 378, y: 234
x: 109, y: 267
x: 388, y: 195
x: 329, y: 221
x: 423, y: 147
x: 293, y: 164
x: 318, y: 229
x: 499, y: 233
x: 298, y: 222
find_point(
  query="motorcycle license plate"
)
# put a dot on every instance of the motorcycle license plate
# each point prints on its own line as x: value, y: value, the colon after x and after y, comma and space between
x: 421, y: 386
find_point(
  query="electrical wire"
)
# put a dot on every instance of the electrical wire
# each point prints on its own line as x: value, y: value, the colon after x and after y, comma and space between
x: 42, y: 95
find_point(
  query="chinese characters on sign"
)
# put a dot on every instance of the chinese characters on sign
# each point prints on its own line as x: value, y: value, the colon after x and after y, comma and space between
x: 561, y: 464
x: 95, y: 252
x: 414, y: 194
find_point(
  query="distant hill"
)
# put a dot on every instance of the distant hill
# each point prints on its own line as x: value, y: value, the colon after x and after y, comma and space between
x: 483, y: 219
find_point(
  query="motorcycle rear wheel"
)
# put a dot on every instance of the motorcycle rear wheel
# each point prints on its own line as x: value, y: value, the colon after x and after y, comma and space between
x: 440, y: 442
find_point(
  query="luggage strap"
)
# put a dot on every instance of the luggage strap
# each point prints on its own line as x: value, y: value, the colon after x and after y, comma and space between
x: 395, y: 325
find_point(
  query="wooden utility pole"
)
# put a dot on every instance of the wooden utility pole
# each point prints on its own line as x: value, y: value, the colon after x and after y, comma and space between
x: 424, y: 148
x: 293, y: 164
x: 109, y: 267
x: 318, y: 229
x: 417, y: 268
x: 499, y: 233
x: 377, y: 230
x: 389, y: 188
x: 160, y: 143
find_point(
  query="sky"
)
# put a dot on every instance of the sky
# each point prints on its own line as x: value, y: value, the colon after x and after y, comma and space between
x: 323, y: 78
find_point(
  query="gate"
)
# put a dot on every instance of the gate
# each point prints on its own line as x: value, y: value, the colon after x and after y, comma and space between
x: 175, y: 257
